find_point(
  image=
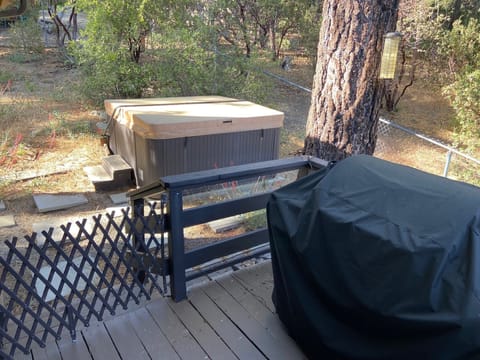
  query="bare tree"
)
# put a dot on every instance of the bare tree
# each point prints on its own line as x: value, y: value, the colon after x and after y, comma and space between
x: 63, y: 29
x: 346, y: 93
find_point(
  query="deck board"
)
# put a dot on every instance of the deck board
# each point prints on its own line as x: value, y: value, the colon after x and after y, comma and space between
x: 229, y: 317
x: 176, y: 333
x: 99, y: 342
x: 269, y: 345
x: 259, y: 282
x: 237, y: 341
x: 125, y: 338
x: 258, y: 310
x: 22, y: 356
x: 210, y: 342
x: 50, y: 352
x: 77, y: 350
x: 151, y: 335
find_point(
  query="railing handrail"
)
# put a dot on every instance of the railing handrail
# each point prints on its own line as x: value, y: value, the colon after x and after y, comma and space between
x: 178, y: 217
x: 216, y: 176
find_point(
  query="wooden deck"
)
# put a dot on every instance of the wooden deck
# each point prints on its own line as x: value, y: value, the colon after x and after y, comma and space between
x: 230, y: 317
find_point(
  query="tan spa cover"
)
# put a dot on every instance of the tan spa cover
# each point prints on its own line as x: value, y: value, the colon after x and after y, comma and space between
x: 167, y: 118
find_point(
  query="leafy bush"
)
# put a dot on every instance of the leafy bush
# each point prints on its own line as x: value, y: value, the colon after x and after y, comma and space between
x: 162, y: 55
x: 26, y: 35
x: 465, y: 96
x: 309, y: 29
x: 111, y: 76
x: 460, y: 46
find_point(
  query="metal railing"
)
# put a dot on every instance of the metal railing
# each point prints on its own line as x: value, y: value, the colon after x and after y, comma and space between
x: 246, y: 245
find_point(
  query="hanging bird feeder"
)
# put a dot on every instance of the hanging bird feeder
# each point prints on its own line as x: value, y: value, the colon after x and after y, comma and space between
x: 389, y: 55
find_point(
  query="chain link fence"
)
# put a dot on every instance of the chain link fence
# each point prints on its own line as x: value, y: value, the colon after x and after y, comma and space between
x: 405, y: 146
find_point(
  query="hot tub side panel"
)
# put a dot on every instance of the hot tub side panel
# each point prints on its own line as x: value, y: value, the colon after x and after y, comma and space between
x: 156, y: 158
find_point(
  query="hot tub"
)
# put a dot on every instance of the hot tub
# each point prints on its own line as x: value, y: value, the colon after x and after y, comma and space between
x: 167, y: 136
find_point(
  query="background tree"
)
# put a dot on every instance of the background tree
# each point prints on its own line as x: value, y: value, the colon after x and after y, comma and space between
x: 415, y: 34
x: 234, y: 23
x: 346, y: 93
x: 452, y: 10
x: 276, y: 19
x: 66, y: 27
x: 158, y: 48
x: 308, y: 29
x: 460, y: 47
x: 262, y: 23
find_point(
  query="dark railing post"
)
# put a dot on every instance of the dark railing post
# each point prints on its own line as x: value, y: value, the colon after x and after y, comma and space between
x: 138, y: 236
x: 176, y: 247
x: 163, y: 202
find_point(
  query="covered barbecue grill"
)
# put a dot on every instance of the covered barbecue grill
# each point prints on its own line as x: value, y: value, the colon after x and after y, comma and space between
x: 373, y: 260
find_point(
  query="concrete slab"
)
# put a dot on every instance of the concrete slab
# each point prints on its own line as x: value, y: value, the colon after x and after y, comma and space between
x: 222, y: 225
x: 57, y: 234
x: 120, y: 198
x: 7, y: 221
x: 46, y: 203
x: 2, y: 206
x: 116, y: 210
x: 70, y: 275
x: 152, y: 244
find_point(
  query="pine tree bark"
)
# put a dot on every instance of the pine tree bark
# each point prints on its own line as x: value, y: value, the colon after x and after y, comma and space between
x: 346, y: 94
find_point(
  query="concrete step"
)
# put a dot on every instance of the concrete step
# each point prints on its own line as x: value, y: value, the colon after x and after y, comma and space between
x: 115, y: 165
x: 112, y: 174
x: 120, y: 170
x: 97, y: 174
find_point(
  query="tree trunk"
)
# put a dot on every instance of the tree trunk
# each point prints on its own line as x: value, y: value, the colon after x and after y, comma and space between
x: 273, y: 38
x: 347, y: 94
x: 455, y: 13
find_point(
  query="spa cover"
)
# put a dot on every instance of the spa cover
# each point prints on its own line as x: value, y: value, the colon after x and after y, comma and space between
x: 373, y: 260
x: 173, y: 118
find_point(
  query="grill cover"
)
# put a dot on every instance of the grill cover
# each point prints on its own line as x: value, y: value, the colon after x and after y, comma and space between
x: 373, y: 260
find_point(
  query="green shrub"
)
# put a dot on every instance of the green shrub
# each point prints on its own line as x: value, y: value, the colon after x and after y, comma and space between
x: 465, y: 96
x: 309, y: 29
x: 145, y: 52
x: 26, y: 36
x: 460, y: 46
x: 176, y: 67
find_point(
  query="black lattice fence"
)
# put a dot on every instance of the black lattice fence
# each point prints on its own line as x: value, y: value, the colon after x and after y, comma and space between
x: 96, y: 267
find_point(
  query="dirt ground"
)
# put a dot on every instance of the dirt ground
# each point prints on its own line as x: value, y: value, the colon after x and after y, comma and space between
x: 49, y: 136
x: 46, y: 139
